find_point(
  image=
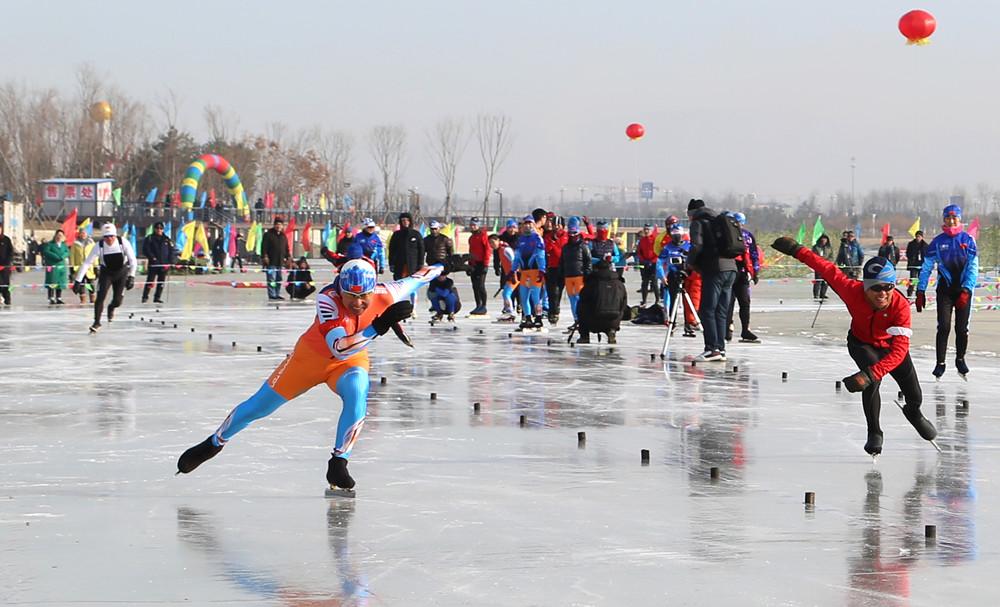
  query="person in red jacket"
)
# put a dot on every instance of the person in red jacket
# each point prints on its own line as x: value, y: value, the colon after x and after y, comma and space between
x: 480, y: 255
x: 879, y: 339
x: 646, y: 255
x: 555, y: 238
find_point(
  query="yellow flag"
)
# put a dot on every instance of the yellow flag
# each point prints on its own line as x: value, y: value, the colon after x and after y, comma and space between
x: 188, y: 230
x: 83, y: 224
x: 449, y: 230
x: 252, y: 237
x: 202, y: 238
x: 322, y: 202
x: 914, y: 228
x: 614, y: 227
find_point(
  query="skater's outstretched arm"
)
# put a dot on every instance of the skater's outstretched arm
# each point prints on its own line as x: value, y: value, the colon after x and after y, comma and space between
x: 826, y: 270
x: 390, y: 292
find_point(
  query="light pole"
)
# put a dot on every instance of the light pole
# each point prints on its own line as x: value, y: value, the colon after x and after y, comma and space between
x: 499, y: 192
x: 562, y: 197
x: 853, y: 165
x: 414, y: 200
x: 582, y: 190
x: 874, y: 231
x: 477, y: 189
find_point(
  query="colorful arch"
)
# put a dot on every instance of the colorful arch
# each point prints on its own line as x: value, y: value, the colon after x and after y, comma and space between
x: 189, y: 187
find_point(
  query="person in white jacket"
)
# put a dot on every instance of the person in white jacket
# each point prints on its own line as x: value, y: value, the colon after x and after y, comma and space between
x: 117, y: 271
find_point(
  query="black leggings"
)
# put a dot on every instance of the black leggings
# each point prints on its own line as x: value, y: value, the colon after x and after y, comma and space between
x: 866, y: 355
x: 115, y: 281
x: 554, y: 289
x: 478, y: 274
x: 819, y: 286
x: 741, y: 294
x: 154, y: 275
x: 648, y: 273
x: 945, y: 304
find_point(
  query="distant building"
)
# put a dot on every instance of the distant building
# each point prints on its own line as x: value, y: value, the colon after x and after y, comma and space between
x: 91, y: 197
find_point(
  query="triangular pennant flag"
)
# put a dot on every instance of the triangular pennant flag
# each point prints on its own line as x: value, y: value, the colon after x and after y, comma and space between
x: 322, y: 202
x: 151, y: 197
x: 885, y: 233
x: 252, y: 237
x: 260, y: 238
x: 306, y: 241
x: 801, y: 236
x: 914, y: 228
x: 117, y: 195
x: 203, y: 200
x: 69, y: 228
x: 233, y: 247
x: 817, y: 230
x: 973, y: 228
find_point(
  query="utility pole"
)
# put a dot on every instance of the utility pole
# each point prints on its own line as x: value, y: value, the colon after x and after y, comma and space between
x: 853, y: 165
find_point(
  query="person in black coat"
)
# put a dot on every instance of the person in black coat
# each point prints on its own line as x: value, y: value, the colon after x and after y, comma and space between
x: 439, y: 247
x: 158, y: 250
x: 274, y: 256
x: 915, y: 260
x: 6, y: 265
x: 603, y: 303
x: 406, y: 249
x: 890, y: 251
x: 300, y: 280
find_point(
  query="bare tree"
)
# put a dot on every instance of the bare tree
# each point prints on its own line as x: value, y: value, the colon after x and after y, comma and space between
x: 335, y: 150
x: 447, y: 143
x: 493, y: 131
x: 222, y: 126
x: 387, y: 144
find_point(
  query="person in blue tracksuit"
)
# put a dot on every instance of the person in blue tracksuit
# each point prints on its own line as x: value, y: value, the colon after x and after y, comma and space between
x: 443, y: 296
x: 954, y: 253
x: 670, y: 268
x: 529, y: 263
x: 371, y: 245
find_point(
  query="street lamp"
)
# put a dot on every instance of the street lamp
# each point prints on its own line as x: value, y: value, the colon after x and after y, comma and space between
x: 499, y: 192
x: 562, y: 196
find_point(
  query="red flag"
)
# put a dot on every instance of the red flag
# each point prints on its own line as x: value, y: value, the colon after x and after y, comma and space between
x: 269, y: 200
x: 295, y: 202
x: 211, y: 198
x: 885, y: 233
x: 305, y: 237
x: 290, y: 235
x: 69, y: 228
x: 232, y: 240
x: 973, y: 228
x: 345, y: 232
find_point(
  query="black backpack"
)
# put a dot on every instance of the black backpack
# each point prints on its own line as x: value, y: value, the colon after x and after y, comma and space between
x: 727, y: 236
x: 607, y: 300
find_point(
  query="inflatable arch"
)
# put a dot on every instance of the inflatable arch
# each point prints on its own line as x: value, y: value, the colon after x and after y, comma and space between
x: 189, y: 187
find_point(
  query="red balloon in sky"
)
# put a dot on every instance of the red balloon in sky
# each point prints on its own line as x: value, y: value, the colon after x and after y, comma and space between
x: 917, y: 26
x: 635, y: 131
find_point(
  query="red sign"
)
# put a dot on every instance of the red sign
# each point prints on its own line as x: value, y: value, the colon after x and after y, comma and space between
x: 70, y: 192
x: 51, y: 192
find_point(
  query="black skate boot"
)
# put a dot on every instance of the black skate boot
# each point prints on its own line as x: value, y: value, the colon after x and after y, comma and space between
x: 537, y: 324
x: 197, y: 455
x: 689, y: 330
x: 94, y: 328
x: 584, y: 338
x: 111, y: 313
x: 612, y: 337
x: 920, y: 423
x: 337, y: 474
x: 961, y: 367
x: 874, y: 445
x: 570, y: 329
x: 526, y: 325
x: 553, y: 319
x: 938, y: 370
x: 748, y: 337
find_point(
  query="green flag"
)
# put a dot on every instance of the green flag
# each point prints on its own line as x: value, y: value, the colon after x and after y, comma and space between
x: 817, y: 229
x: 332, y: 238
x: 117, y: 194
x: 496, y: 224
x: 802, y: 233
x: 149, y: 229
x: 260, y: 238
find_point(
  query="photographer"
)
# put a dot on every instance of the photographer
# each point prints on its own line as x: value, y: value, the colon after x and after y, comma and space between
x: 670, y: 273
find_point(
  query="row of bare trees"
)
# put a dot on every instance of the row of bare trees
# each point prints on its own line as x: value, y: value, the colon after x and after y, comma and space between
x: 46, y: 133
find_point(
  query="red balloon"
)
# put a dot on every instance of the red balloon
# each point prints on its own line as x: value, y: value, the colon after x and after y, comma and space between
x: 635, y: 131
x: 917, y: 26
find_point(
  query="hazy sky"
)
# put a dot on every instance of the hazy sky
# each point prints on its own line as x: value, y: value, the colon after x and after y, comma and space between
x: 771, y: 97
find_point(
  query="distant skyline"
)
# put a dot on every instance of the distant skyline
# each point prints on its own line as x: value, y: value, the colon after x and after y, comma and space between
x: 772, y: 97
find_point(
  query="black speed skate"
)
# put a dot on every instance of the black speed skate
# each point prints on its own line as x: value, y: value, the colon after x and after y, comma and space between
x: 938, y: 371
x: 197, y: 455
x: 962, y: 368
x: 920, y: 423
x: 341, y: 483
x: 94, y: 328
x: 873, y: 446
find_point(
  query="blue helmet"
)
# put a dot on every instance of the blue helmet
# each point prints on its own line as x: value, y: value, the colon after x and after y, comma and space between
x: 740, y: 217
x: 357, y: 277
x: 952, y: 210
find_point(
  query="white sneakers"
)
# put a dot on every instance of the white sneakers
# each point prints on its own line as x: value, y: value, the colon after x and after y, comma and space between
x: 711, y: 356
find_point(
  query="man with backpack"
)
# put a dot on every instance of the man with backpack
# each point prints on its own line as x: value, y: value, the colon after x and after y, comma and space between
x: 716, y: 241
x: 603, y: 303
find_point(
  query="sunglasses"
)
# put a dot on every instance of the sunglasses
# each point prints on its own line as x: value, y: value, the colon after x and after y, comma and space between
x: 883, y: 288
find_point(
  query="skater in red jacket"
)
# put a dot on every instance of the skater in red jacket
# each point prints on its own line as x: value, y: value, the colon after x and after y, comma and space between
x: 879, y: 338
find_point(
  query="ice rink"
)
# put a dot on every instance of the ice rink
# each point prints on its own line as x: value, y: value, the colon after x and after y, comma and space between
x: 459, y: 507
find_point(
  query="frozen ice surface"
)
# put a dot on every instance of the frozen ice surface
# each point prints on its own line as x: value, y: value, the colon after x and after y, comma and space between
x: 455, y: 508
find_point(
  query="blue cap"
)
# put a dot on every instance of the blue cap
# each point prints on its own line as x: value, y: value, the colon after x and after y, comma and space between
x: 740, y: 217
x: 573, y: 225
x: 952, y: 210
x: 878, y: 270
x: 511, y: 223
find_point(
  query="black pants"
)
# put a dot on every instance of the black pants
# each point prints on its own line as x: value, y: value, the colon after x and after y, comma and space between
x: 866, y: 355
x: 478, y: 275
x: 56, y: 293
x: 741, y: 294
x: 819, y: 286
x: 648, y: 273
x: 233, y: 262
x: 945, y: 304
x: 114, y: 281
x: 554, y: 285
x: 299, y: 291
x: 156, y: 275
x: 5, y: 285
x: 914, y: 279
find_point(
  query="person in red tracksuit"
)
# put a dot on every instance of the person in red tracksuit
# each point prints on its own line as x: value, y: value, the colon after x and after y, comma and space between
x: 555, y: 238
x: 879, y: 338
x: 645, y: 254
x: 480, y: 255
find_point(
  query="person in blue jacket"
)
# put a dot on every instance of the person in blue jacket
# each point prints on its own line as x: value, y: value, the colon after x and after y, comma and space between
x: 529, y: 263
x: 953, y: 251
x: 444, y: 299
x: 371, y: 245
x: 670, y: 268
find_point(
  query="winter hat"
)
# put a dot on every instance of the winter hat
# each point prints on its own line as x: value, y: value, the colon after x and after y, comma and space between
x: 740, y: 218
x: 474, y: 222
x: 573, y: 225
x: 527, y: 219
x: 109, y: 229
x: 676, y: 230
x: 952, y: 210
x: 403, y: 216
x: 878, y: 270
x: 695, y: 203
x: 435, y: 224
x: 511, y: 223
x: 602, y: 225
x: 370, y: 223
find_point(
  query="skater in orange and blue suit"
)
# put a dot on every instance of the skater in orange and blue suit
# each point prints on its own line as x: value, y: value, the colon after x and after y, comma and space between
x: 350, y: 313
x: 529, y: 263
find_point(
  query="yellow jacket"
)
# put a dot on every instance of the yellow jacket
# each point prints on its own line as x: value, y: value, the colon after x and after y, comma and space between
x: 78, y: 253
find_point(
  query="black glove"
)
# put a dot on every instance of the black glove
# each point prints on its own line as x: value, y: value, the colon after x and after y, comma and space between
x: 786, y: 245
x: 756, y: 279
x: 401, y: 310
x: 78, y: 287
x: 859, y: 381
x: 496, y: 271
x: 129, y: 283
